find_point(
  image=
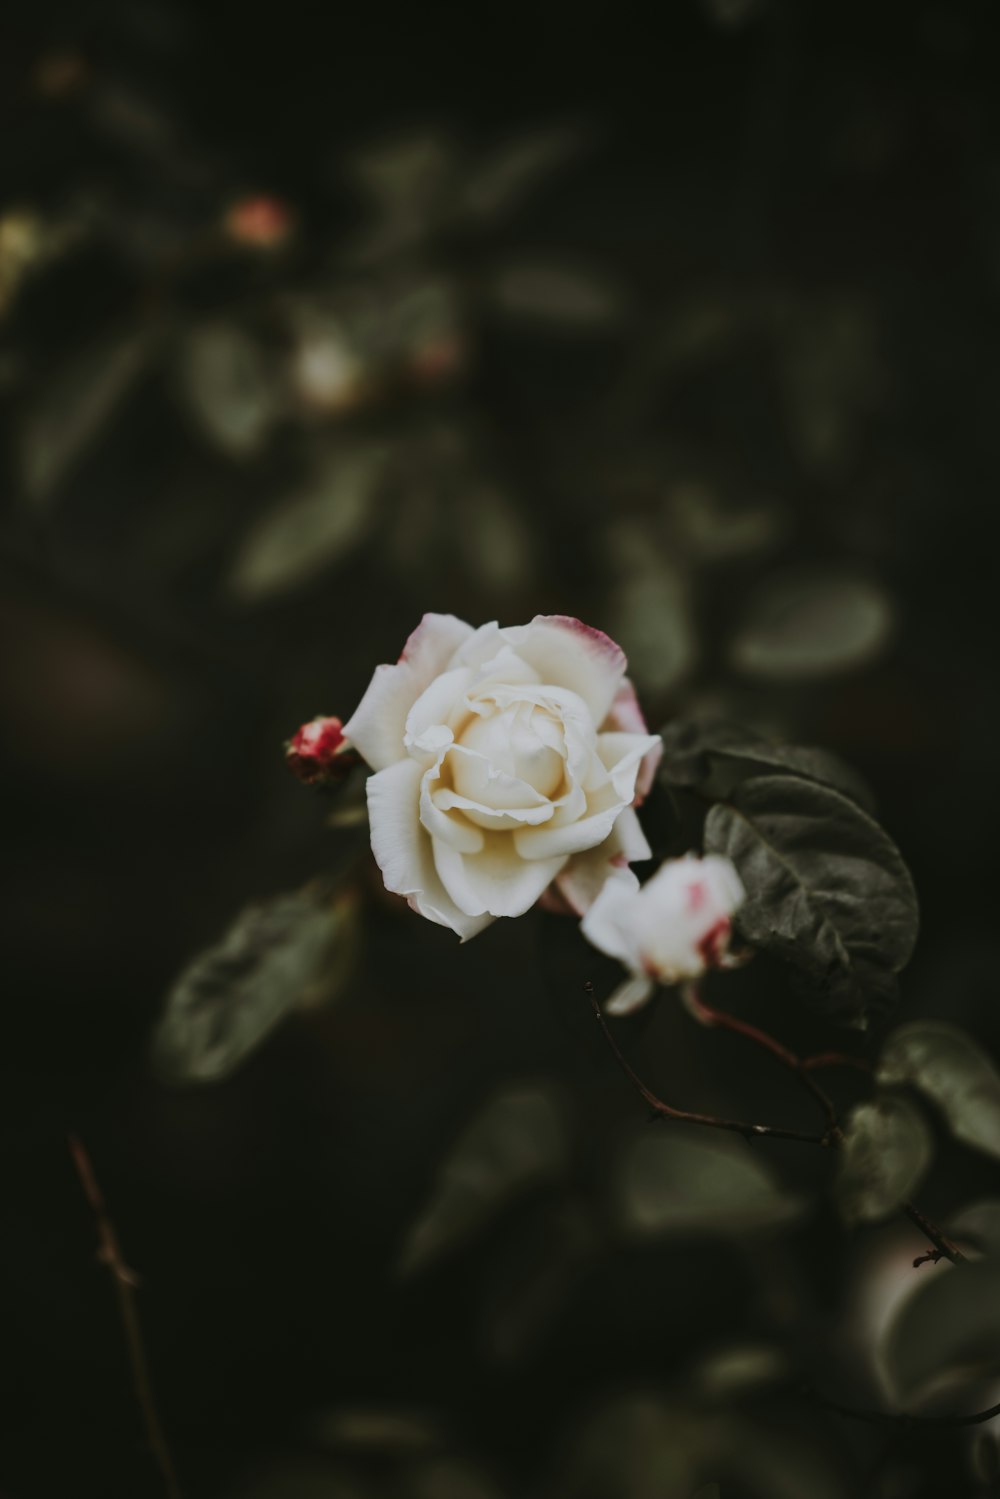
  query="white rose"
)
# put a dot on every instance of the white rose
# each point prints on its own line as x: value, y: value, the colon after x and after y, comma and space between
x: 674, y: 928
x: 505, y: 759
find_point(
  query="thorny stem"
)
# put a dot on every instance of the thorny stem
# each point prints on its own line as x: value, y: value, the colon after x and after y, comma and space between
x: 944, y: 1248
x: 125, y: 1283
x: 902, y: 1418
x: 738, y: 1126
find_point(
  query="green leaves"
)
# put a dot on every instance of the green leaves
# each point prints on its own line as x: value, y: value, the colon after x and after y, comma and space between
x: 713, y: 757
x: 950, y: 1069
x: 887, y: 1149
x: 288, y: 952
x: 803, y: 625
x: 827, y: 890
x: 518, y: 1140
x: 947, y: 1331
x: 312, y: 528
x: 674, y: 1185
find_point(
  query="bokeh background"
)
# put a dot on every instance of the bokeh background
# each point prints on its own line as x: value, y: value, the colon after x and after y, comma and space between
x: 312, y: 320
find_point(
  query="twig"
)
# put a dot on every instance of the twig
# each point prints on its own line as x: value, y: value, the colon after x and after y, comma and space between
x: 666, y: 1111
x: 944, y: 1248
x: 125, y: 1283
x: 902, y: 1418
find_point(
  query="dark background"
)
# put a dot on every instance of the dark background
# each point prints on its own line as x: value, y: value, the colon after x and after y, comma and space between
x: 789, y: 219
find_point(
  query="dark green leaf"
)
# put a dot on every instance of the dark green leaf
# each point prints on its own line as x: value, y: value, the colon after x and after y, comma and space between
x: 229, y: 386
x: 887, y: 1149
x: 640, y: 1447
x: 314, y: 527
x: 802, y: 625
x: 536, y: 1277
x: 500, y: 182
x: 517, y: 1141
x: 947, y: 1331
x: 952, y: 1070
x: 827, y: 890
x: 75, y: 406
x: 672, y: 1185
x: 559, y: 295
x: 713, y: 757
x: 277, y: 956
x: 978, y: 1226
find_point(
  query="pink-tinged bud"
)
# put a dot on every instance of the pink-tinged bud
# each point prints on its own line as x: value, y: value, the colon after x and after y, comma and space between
x: 318, y: 752
x: 675, y: 928
x: 259, y: 222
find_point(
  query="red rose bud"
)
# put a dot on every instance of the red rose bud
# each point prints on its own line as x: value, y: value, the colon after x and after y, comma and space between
x: 259, y: 222
x: 319, y: 753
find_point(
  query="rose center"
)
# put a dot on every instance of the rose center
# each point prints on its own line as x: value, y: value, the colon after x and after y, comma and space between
x: 515, y: 743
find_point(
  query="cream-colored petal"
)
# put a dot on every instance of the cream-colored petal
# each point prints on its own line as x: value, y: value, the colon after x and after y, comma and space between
x: 568, y: 653
x: 496, y: 881
x: 586, y: 873
x: 404, y: 852
x: 630, y: 996
x: 378, y: 724
x: 623, y: 754
x: 627, y: 717
x: 609, y: 924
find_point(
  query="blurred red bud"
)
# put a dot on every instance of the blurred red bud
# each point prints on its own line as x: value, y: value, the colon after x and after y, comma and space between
x: 318, y: 752
x: 259, y: 222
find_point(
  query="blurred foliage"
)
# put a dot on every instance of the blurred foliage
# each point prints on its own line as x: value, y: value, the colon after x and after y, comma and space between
x: 313, y: 322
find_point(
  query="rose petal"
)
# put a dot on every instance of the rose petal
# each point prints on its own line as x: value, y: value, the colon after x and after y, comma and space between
x: 567, y: 653
x: 623, y: 754
x: 378, y: 724
x: 497, y: 880
x: 630, y: 996
x: 586, y: 874
x: 627, y: 717
x: 441, y: 706
x: 404, y: 852
x: 608, y: 924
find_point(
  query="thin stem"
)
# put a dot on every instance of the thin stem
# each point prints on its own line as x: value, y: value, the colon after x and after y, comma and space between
x: 902, y: 1418
x: 944, y: 1248
x: 125, y: 1283
x: 666, y: 1111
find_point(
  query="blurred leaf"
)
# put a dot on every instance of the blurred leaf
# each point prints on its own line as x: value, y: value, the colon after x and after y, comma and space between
x: 229, y: 386
x: 716, y: 532
x: 370, y: 1429
x: 640, y: 1447
x: 827, y: 890
x: 672, y: 1185
x: 948, y: 1330
x: 978, y: 1224
x: 536, y: 1278
x: 801, y: 625
x: 554, y: 294
x: 833, y: 376
x: 313, y: 527
x: 886, y: 1152
x: 953, y: 1071
x: 497, y: 545
x: 713, y: 757
x: 742, y: 1369
x: 649, y: 611
x: 501, y: 181
x: 411, y: 180
x: 519, y: 1140
x: 296, y: 1477
x: 75, y: 406
x: 277, y: 956
x: 447, y: 1478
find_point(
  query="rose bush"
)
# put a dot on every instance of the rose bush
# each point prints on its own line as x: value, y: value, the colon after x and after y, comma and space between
x: 674, y: 928
x: 505, y: 760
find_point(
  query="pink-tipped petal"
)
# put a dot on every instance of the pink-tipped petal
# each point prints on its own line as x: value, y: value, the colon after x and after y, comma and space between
x: 567, y: 653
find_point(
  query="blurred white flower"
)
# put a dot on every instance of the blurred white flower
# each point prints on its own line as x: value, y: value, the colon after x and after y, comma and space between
x: 676, y: 927
x: 505, y: 759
